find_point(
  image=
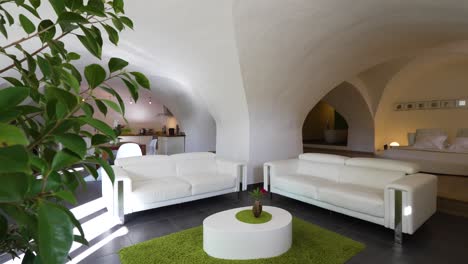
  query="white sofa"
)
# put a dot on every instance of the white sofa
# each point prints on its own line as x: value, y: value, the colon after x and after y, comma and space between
x: 154, y: 181
x: 386, y: 192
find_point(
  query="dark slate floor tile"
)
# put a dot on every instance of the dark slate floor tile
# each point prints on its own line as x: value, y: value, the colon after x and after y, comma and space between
x: 148, y: 230
x: 442, y: 239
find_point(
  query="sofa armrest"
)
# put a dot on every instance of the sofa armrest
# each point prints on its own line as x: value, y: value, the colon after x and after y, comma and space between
x: 236, y: 169
x: 113, y: 197
x: 273, y: 168
x: 418, y: 201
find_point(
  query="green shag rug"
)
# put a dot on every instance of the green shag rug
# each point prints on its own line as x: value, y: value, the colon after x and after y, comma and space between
x: 311, y: 244
x: 247, y: 216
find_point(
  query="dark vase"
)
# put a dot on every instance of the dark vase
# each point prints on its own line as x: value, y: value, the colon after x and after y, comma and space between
x: 257, y: 209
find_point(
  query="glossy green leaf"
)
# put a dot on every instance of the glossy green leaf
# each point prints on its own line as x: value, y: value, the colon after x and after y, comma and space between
x: 133, y: 89
x: 118, y: 24
x: 67, y: 196
x: 14, y: 187
x: 99, y: 125
x: 73, y: 142
x: 112, y: 33
x: 58, y: 5
x: 74, y: 56
x: 92, y: 170
x: 11, y: 135
x: 71, y: 17
x: 101, y: 106
x: 27, y: 25
x: 31, y: 10
x: 46, y: 30
x: 63, y: 159
x: 99, y: 139
x: 55, y: 233
x: 12, y: 96
x: 141, y: 79
x: 3, y: 227
x: 45, y: 66
x: 95, y: 75
x: 118, y: 6
x: 97, y: 6
x: 112, y: 105
x: 30, y: 258
x: 117, y: 96
x: 81, y: 240
x: 13, y: 81
x: 9, y: 115
x: 127, y: 21
x: 88, y: 109
x: 107, y: 168
x: 63, y: 96
x: 2, y: 28
x: 74, y: 4
x: 117, y: 64
x: 35, y: 3
x: 70, y: 80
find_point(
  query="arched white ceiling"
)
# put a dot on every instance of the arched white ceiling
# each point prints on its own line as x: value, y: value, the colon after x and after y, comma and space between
x: 293, y: 52
x: 259, y: 66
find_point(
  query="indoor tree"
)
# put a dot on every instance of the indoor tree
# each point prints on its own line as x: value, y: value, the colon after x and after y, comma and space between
x: 46, y: 112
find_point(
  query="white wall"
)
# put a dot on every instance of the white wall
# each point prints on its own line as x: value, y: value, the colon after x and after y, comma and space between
x: 439, y: 77
x: 347, y: 100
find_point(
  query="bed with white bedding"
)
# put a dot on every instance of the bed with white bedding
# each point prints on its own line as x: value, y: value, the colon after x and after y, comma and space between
x: 440, y: 161
x: 431, y: 149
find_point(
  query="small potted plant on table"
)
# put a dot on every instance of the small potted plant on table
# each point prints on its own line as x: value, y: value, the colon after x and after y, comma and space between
x: 257, y: 195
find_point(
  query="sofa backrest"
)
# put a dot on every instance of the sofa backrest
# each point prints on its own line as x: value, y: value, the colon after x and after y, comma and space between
x: 148, y: 167
x: 375, y: 173
x: 325, y: 166
x: 369, y: 177
x: 384, y: 164
x: 203, y: 163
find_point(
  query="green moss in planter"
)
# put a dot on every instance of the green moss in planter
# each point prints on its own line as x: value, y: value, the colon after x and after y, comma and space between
x: 247, y: 216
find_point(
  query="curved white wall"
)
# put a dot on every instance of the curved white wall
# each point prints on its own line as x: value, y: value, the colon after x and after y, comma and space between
x: 348, y: 101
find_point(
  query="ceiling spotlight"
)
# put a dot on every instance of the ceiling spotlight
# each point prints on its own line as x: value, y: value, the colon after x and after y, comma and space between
x: 150, y: 101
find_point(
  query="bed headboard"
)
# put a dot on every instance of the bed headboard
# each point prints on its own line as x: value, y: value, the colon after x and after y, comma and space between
x: 462, y: 132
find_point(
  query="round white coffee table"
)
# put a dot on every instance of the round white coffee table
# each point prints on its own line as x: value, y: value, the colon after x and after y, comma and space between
x: 226, y: 237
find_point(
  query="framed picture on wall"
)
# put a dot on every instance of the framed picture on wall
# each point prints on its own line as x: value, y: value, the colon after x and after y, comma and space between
x: 433, y: 105
x: 447, y: 104
x: 462, y: 103
x: 420, y: 105
x: 398, y: 107
x: 410, y: 106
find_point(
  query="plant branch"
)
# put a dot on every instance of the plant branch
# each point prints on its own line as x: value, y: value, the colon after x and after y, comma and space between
x: 34, y: 53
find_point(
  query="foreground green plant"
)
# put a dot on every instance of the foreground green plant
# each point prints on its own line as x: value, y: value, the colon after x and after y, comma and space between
x: 46, y: 114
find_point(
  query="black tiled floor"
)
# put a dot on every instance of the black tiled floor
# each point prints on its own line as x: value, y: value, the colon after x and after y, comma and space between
x: 443, y: 239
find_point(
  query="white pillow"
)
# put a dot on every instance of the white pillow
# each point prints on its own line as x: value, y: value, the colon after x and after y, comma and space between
x: 460, y: 144
x: 430, y: 142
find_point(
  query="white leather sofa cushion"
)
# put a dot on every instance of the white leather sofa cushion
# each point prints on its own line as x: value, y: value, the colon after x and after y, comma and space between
x: 368, y: 177
x: 193, y: 166
x: 142, y: 168
x: 353, y: 197
x: 384, y: 164
x: 321, y: 170
x: 324, y: 158
x: 160, y: 189
x: 193, y: 156
x: 300, y: 184
x: 205, y: 183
